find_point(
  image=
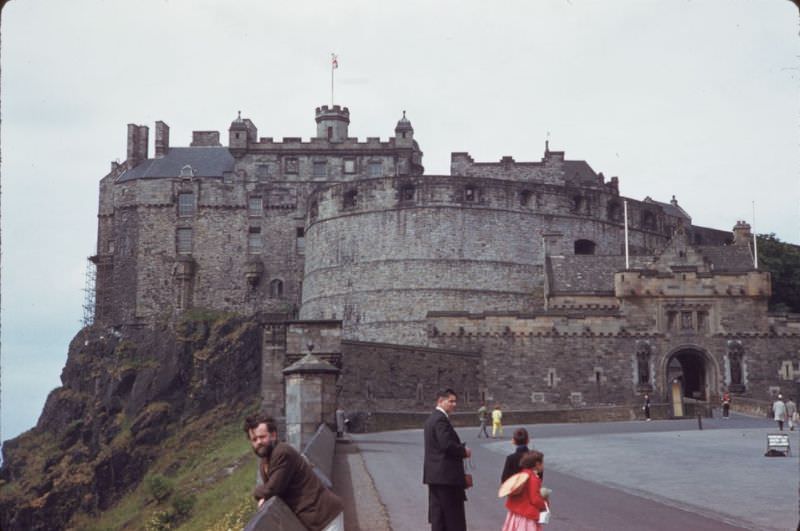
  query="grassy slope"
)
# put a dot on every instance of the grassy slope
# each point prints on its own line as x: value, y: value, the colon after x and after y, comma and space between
x: 209, y: 458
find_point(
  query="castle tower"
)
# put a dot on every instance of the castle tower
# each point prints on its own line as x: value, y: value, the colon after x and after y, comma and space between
x: 332, y: 122
x: 241, y: 131
x: 404, y: 132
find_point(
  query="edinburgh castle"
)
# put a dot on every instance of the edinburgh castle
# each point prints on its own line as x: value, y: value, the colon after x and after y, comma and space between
x: 506, y: 280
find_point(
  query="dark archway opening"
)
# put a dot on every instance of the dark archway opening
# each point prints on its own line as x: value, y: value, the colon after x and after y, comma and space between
x: 689, y: 368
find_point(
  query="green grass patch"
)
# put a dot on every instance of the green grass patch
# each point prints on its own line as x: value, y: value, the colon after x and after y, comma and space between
x: 212, y: 470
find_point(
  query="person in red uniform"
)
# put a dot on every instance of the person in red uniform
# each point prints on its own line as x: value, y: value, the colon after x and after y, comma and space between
x: 524, y: 506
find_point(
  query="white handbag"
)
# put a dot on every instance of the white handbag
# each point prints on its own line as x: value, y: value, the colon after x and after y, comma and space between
x: 544, y: 516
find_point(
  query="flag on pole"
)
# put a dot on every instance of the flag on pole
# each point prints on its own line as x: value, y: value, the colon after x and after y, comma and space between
x: 334, y: 61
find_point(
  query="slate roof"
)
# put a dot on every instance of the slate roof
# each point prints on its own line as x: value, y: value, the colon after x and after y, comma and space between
x: 728, y: 258
x: 595, y: 274
x: 670, y: 209
x: 205, y: 161
x: 579, y: 171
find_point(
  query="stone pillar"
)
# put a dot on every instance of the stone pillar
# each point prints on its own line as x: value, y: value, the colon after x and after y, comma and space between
x: 310, y: 398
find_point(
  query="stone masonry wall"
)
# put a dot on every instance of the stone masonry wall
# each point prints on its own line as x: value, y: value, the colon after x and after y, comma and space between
x: 378, y: 377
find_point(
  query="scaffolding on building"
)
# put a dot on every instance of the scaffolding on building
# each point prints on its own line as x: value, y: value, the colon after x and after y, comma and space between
x: 88, y: 294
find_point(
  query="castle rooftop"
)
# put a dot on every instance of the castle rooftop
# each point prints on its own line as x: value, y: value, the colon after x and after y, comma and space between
x: 205, y: 162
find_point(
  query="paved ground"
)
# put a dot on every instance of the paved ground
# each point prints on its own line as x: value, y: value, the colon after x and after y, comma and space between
x: 660, y: 475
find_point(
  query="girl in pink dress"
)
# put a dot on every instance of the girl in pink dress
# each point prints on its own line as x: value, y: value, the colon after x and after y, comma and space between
x: 525, y: 506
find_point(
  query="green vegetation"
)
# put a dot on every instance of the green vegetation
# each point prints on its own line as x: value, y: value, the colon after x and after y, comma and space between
x: 782, y: 260
x: 159, y: 487
x: 201, y: 481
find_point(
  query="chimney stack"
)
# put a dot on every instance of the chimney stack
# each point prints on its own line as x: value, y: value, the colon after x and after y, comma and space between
x: 741, y: 233
x: 137, y: 144
x: 162, y: 139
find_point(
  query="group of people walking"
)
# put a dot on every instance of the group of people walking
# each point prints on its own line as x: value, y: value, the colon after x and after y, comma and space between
x: 497, y: 421
x: 785, y: 411
x: 444, y: 473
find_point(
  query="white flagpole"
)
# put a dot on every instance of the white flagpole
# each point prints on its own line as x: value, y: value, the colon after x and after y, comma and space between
x: 627, y: 260
x: 333, y: 58
x: 755, y: 242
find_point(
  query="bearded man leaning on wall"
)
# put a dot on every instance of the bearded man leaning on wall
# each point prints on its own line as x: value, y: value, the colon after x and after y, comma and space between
x: 286, y: 474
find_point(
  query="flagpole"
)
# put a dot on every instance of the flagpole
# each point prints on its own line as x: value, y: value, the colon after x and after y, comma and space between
x: 755, y: 242
x: 627, y: 260
x: 332, y: 69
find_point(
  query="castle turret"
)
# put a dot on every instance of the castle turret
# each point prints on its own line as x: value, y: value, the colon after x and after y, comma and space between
x: 241, y: 131
x: 332, y: 122
x: 404, y: 132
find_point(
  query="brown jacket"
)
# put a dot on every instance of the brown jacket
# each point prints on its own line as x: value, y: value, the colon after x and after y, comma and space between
x: 289, y: 476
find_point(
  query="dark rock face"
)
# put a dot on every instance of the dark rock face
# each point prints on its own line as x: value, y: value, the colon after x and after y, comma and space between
x: 122, y: 394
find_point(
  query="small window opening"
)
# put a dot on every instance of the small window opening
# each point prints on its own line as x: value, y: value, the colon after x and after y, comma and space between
x: 351, y: 199
x: 469, y: 193
x: 276, y: 288
x: 584, y: 247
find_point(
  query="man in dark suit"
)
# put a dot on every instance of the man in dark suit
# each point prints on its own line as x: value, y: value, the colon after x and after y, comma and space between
x: 443, y: 469
x: 512, y: 461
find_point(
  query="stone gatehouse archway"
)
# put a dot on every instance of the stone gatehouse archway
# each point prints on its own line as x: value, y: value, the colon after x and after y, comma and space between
x: 694, y: 369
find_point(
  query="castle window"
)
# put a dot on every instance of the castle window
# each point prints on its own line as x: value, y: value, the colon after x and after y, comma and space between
x: 350, y: 199
x: 186, y: 204
x: 375, y: 169
x: 470, y: 193
x: 330, y: 132
x: 227, y: 177
x: 291, y: 165
x: 255, y: 206
x: 407, y: 193
x: 264, y: 171
x: 276, y: 288
x: 349, y: 165
x: 313, y: 210
x: 110, y: 247
x: 187, y: 172
x: 577, y: 203
x: 254, y: 241
x: 320, y: 169
x: 648, y: 220
x: 300, y: 235
x: 525, y: 198
x: 702, y: 321
x: 584, y: 247
x: 183, y: 241
x: 614, y: 211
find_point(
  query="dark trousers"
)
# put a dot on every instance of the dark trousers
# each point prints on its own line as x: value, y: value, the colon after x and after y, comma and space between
x: 446, y: 508
x: 726, y: 408
x: 483, y: 430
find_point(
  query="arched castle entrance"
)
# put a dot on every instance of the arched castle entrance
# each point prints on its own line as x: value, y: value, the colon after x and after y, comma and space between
x: 694, y: 369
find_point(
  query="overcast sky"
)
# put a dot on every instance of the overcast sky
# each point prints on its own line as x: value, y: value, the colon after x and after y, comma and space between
x: 693, y: 98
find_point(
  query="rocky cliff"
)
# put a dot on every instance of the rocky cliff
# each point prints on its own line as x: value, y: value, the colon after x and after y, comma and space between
x: 123, y: 393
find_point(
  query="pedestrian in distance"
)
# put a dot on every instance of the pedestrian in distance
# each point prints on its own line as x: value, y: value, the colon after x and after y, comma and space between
x: 483, y: 418
x: 526, y: 504
x: 646, y: 407
x: 287, y: 474
x: 726, y: 404
x: 779, y: 412
x: 520, y: 440
x: 443, y: 467
x: 791, y: 413
x: 497, y: 421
